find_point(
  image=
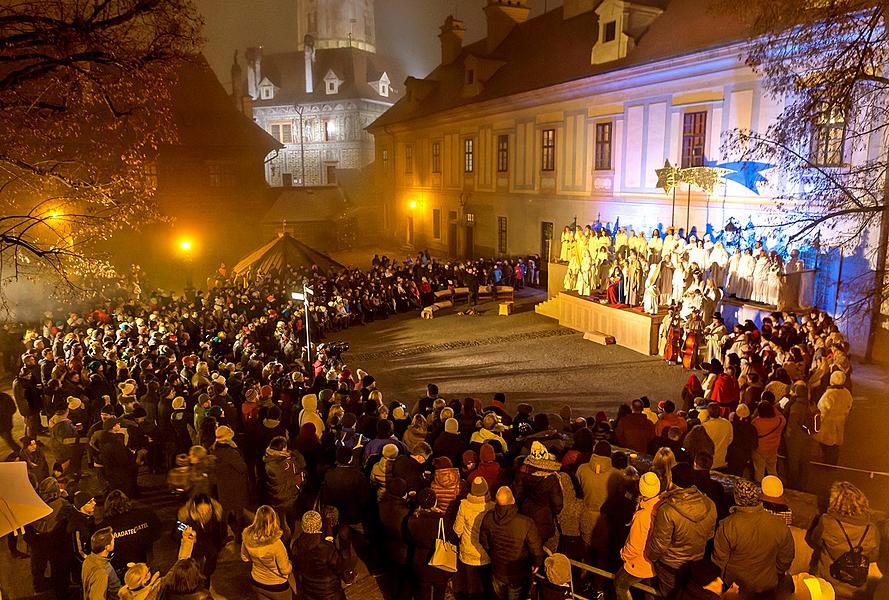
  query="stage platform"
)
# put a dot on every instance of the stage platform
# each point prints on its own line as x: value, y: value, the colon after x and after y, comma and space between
x: 737, y: 311
x: 630, y: 328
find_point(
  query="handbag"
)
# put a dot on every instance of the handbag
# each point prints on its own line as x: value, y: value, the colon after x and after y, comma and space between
x: 444, y: 556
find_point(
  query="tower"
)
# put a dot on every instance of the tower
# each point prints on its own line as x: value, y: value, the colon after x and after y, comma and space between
x: 337, y: 23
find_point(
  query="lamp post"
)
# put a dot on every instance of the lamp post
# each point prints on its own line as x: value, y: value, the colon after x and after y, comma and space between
x: 186, y: 246
x: 304, y: 298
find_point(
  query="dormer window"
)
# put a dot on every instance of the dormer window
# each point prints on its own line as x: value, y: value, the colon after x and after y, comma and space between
x: 383, y: 85
x: 266, y: 89
x: 609, y: 33
x: 332, y: 83
x: 384, y: 90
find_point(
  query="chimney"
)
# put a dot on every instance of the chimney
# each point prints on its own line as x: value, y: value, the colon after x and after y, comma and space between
x: 237, y: 82
x: 572, y: 8
x: 502, y: 16
x: 254, y: 71
x: 309, y: 52
x: 451, y: 37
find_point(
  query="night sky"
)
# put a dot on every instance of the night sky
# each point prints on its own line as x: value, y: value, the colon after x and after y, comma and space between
x: 407, y: 29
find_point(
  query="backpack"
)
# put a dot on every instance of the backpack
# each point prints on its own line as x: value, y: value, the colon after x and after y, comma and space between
x: 850, y: 567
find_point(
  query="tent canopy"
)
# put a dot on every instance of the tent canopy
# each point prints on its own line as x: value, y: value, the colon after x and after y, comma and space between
x: 280, y: 256
x: 19, y: 503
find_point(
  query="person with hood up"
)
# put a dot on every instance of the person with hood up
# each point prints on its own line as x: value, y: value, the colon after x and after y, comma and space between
x: 48, y: 539
x: 685, y: 521
x: 447, y: 485
x: 599, y: 480
x: 488, y: 468
x: 539, y: 493
x: 34, y: 458
x: 744, y: 441
x: 557, y: 585
x: 271, y: 570
x: 393, y: 511
x: 423, y: 528
x: 321, y: 563
x: 635, y: 430
x: 284, y: 473
x: 512, y: 542
x: 310, y: 414
x: 636, y: 566
x: 473, y: 560
x: 754, y: 548
x: 65, y: 441
x: 833, y: 408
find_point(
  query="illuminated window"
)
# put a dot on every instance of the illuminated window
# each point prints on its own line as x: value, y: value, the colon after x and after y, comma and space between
x: 436, y: 157
x: 609, y: 31
x: 603, y: 146
x: 151, y: 174
x: 408, y: 159
x: 828, y: 136
x: 215, y: 174
x: 385, y: 158
x: 283, y: 132
x: 468, y: 155
x: 436, y: 223
x: 694, y: 134
x: 502, y: 153
x: 548, y: 150
x: 501, y: 235
x: 470, y: 218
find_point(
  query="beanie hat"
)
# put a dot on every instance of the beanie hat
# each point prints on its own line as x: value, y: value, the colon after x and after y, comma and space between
x: 539, y: 458
x: 603, y: 449
x: 538, y: 451
x: 426, y: 498
x: 250, y: 396
x: 838, y: 378
x: 178, y: 403
x: 558, y: 569
x: 810, y: 587
x: 469, y: 457
x: 442, y: 462
x: 479, y: 487
x: 311, y: 522
x: 224, y: 434
x: 489, y: 421
x: 649, y: 485
x: 438, y: 404
x: 746, y: 493
x: 398, y: 413
x: 743, y: 411
x: 397, y: 487
x: 452, y: 426
x: 49, y: 489
x: 772, y: 489
x: 74, y: 403
x: 390, y: 451
x: 266, y: 391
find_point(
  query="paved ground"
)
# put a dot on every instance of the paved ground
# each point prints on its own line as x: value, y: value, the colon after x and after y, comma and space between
x: 531, y: 359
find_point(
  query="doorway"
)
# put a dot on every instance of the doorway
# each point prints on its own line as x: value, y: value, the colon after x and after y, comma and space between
x: 470, y: 243
x: 546, y: 241
x: 452, y: 234
x: 410, y: 230
x: 331, y: 174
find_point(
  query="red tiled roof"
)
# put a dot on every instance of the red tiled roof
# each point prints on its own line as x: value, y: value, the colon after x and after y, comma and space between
x: 548, y: 50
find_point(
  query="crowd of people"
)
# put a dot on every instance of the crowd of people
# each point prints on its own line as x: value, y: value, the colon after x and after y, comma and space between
x: 305, y: 467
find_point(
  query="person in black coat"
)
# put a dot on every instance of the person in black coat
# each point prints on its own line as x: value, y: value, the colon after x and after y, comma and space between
x: 449, y: 442
x: 538, y: 491
x: 430, y: 583
x: 393, y: 512
x: 413, y: 468
x: 321, y: 563
x: 346, y: 488
x: 7, y: 410
x: 118, y: 461
x: 232, y: 482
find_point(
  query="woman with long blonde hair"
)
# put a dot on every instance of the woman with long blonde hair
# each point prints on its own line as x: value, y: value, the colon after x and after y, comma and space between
x: 271, y: 571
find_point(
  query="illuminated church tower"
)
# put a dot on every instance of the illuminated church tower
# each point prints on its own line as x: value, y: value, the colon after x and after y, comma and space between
x: 337, y: 23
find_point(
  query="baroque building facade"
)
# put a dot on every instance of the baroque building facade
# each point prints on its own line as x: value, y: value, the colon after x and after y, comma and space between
x: 318, y: 100
x: 565, y: 118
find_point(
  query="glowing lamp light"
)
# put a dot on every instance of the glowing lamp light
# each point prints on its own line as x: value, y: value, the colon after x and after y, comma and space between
x: 185, y: 245
x: 412, y: 204
x: 54, y: 214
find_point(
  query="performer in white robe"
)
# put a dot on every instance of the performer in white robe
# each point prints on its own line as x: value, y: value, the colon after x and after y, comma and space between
x: 567, y: 245
x: 642, y: 245
x: 717, y: 263
x: 583, y: 286
x: 679, y: 274
x: 669, y: 245
x: 571, y: 274
x: 773, y: 279
x: 715, y: 335
x: 621, y: 243
x: 746, y: 266
x: 650, y: 298
x: 760, y: 277
x: 733, y: 281
x: 655, y: 247
x: 697, y: 255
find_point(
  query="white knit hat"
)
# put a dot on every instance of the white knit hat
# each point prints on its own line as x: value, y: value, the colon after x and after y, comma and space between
x: 649, y: 485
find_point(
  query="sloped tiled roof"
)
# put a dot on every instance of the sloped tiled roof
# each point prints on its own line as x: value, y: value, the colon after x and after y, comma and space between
x: 205, y: 115
x: 354, y: 67
x: 548, y: 50
x: 306, y: 204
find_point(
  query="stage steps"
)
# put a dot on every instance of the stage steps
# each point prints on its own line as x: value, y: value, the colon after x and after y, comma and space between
x: 548, y: 308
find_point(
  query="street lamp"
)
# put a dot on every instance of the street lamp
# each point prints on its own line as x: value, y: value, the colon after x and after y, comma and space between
x: 412, y: 204
x: 186, y: 245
